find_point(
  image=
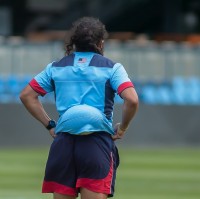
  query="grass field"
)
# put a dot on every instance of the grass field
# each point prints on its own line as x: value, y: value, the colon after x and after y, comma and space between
x: 143, y: 174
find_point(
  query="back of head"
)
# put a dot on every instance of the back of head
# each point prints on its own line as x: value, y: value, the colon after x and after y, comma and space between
x: 87, y: 35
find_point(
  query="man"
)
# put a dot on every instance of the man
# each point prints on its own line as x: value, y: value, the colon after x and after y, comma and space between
x: 83, y: 157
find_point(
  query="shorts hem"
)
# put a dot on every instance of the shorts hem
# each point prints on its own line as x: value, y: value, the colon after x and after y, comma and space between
x: 54, y: 187
x: 93, y: 185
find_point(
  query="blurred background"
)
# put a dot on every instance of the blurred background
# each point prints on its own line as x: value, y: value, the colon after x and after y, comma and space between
x: 158, y: 42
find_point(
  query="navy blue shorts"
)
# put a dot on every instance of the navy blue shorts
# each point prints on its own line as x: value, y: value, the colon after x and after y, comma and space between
x: 87, y: 161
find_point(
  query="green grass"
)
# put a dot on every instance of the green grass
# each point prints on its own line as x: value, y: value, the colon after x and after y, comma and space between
x: 143, y: 174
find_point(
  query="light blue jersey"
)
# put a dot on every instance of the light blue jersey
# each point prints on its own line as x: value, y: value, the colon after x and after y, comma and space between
x: 84, y: 84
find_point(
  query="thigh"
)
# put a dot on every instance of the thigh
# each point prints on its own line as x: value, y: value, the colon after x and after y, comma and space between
x: 96, y: 163
x: 87, y: 194
x: 60, y: 174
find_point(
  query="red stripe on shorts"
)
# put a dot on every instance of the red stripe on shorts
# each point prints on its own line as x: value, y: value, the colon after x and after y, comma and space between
x: 98, y: 185
x: 36, y: 87
x: 123, y: 86
x: 54, y: 187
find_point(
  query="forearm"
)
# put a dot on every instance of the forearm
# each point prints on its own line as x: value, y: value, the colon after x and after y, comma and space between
x: 128, y: 112
x: 36, y: 109
x: 130, y: 107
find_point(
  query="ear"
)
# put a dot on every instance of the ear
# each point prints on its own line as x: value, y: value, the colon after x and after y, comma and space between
x: 100, y: 44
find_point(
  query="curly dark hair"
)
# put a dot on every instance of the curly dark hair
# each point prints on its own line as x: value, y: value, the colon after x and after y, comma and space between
x: 85, y: 35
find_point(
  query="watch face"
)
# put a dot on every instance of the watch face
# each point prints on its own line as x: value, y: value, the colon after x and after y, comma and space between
x: 51, y: 124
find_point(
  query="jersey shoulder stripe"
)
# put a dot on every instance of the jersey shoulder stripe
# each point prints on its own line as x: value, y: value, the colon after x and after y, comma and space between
x: 101, y: 61
x: 65, y: 61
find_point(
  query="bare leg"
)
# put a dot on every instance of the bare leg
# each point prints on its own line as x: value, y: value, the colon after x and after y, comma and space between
x: 61, y: 196
x: 87, y: 194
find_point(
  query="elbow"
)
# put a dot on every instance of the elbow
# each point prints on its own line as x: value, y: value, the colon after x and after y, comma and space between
x: 23, y: 96
x: 28, y: 95
x: 133, y: 102
x: 130, y: 98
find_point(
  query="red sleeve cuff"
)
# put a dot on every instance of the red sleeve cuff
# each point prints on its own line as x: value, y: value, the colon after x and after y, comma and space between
x: 123, y: 86
x: 36, y: 87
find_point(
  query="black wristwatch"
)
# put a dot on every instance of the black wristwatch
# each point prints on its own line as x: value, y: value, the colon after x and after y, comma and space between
x: 51, y: 124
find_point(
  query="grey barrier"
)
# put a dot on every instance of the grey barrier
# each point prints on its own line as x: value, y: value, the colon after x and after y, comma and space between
x: 153, y: 126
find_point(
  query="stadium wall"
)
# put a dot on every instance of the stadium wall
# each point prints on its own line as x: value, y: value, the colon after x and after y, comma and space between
x: 167, y: 126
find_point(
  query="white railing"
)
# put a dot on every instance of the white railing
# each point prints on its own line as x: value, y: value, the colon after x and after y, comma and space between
x: 142, y: 62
